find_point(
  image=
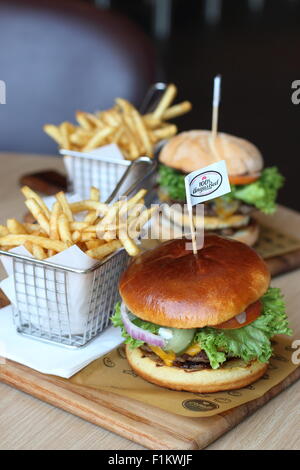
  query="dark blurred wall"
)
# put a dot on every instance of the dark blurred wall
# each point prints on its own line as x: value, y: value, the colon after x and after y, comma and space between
x: 257, y: 54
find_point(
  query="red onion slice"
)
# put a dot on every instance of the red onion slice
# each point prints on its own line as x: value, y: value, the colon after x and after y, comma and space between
x: 138, y: 333
x: 241, y: 317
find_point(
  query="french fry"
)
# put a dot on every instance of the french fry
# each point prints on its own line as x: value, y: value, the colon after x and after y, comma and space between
x: 76, y: 236
x: 38, y: 214
x: 32, y: 228
x: 136, y: 224
x: 3, y: 231
x: 122, y: 124
x: 131, y: 202
x: 142, y: 132
x: 94, y: 194
x: 91, y: 218
x: 165, y: 102
x: 53, y: 223
x: 64, y: 230
x: 61, y: 198
x: 88, y: 205
x: 82, y: 246
x: 29, y: 247
x: 38, y: 252
x: 80, y: 139
x: 78, y: 226
x: 104, y: 250
x: 177, y: 110
x: 129, y: 245
x: 15, y: 227
x: 94, y: 120
x: 110, y: 235
x: 164, y: 132
x: 109, y: 219
x: 124, y: 105
x: 91, y: 229
x: 91, y: 244
x: 88, y: 236
x: 83, y: 121
x: 66, y: 129
x: 98, y: 138
x: 110, y: 117
x: 100, y: 234
x: 151, y: 122
x: 56, y: 210
x: 54, y: 133
x: 16, y: 240
x: 30, y: 194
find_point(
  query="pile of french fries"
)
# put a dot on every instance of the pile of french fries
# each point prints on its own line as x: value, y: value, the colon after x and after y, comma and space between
x: 135, y: 134
x: 102, y: 229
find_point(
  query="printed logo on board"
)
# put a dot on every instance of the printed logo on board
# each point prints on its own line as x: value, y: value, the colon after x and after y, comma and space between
x: 199, y: 405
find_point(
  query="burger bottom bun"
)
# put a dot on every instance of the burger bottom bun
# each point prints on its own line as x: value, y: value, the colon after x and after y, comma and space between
x: 231, y: 375
x: 246, y: 234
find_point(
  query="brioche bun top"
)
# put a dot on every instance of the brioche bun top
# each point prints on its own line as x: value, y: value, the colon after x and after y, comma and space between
x: 191, y: 150
x: 172, y: 287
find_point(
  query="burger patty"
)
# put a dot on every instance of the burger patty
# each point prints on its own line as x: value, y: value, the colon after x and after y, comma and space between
x: 243, y: 209
x: 209, y: 206
x: 188, y: 363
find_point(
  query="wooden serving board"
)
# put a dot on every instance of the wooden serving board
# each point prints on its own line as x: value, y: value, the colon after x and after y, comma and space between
x: 144, y: 424
x: 284, y: 263
x: 141, y: 423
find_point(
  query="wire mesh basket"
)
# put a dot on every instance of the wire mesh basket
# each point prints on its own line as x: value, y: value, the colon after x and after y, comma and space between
x: 85, y: 170
x: 89, y: 169
x: 44, y: 309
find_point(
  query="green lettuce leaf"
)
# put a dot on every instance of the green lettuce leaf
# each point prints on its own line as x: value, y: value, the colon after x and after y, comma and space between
x: 172, y: 181
x: 251, y: 341
x: 118, y: 322
x: 262, y: 193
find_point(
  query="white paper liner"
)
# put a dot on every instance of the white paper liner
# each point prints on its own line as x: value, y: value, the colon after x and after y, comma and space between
x: 50, y: 358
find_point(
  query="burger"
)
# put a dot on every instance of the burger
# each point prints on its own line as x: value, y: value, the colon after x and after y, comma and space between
x: 252, y: 187
x: 199, y: 323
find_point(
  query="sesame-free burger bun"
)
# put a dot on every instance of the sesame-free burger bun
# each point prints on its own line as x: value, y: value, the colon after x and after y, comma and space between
x: 172, y: 287
x: 191, y: 150
x: 231, y: 375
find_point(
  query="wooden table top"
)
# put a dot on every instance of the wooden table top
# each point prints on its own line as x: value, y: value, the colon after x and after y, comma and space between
x: 27, y: 423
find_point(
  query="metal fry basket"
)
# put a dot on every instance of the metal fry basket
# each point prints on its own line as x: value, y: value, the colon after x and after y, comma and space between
x: 88, y: 169
x: 44, y: 309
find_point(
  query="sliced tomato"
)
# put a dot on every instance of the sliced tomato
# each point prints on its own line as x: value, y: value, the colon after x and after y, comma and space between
x: 252, y: 312
x: 244, y: 179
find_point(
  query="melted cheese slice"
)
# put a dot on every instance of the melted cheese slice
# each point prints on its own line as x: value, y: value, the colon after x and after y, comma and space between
x: 170, y: 356
x: 167, y: 357
x: 193, y: 350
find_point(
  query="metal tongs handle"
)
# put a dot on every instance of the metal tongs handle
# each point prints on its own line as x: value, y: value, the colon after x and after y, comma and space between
x: 152, y: 97
x: 131, y: 168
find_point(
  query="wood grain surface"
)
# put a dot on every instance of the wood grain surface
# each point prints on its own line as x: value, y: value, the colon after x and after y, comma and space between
x: 141, y: 423
x: 27, y: 423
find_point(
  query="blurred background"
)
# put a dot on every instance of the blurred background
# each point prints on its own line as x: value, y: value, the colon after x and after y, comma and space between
x: 60, y: 56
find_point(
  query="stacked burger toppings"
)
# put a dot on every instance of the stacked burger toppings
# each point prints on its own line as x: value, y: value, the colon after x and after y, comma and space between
x: 252, y: 187
x: 213, y: 314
